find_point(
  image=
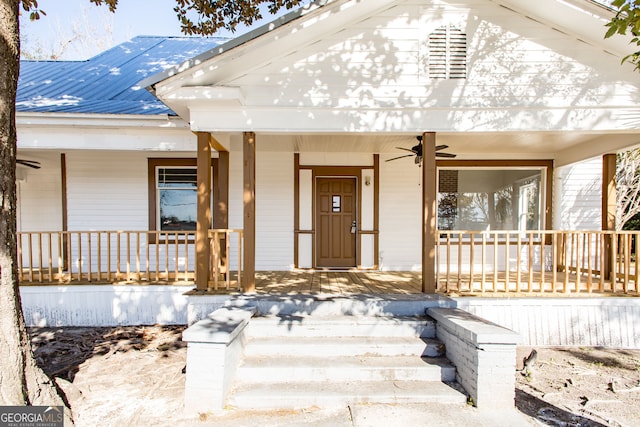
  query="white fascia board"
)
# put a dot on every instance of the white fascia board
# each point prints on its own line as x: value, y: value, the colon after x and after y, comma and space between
x: 344, y: 120
x: 260, y: 50
x: 151, y: 81
x: 583, y: 19
x: 106, y: 139
x: 221, y: 95
x: 100, y: 120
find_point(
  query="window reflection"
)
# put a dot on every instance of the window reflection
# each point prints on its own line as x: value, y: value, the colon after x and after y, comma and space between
x: 489, y: 199
x: 177, y: 198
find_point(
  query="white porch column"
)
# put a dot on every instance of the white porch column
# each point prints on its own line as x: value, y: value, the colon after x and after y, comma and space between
x: 429, y: 228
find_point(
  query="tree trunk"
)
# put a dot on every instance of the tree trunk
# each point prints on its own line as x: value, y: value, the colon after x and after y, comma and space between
x: 22, y: 382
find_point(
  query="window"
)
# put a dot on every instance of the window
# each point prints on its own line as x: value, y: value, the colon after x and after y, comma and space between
x: 447, y: 54
x: 177, y: 199
x: 173, y: 200
x: 491, y: 199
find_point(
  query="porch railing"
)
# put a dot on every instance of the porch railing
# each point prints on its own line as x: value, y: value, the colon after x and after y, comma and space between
x: 222, y: 247
x: 122, y: 256
x: 537, y: 261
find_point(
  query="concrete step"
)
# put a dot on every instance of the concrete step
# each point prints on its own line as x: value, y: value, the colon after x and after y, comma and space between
x: 337, y: 326
x: 333, y: 305
x: 290, y: 395
x: 319, y: 368
x: 344, y: 346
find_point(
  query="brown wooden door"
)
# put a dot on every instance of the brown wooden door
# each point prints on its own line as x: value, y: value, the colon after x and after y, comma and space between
x: 335, y: 215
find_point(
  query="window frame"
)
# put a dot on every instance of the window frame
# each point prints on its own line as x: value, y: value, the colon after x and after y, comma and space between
x: 152, y: 178
x: 546, y: 172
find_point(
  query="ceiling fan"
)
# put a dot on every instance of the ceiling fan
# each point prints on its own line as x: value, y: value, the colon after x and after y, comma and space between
x: 416, y: 151
x: 29, y: 163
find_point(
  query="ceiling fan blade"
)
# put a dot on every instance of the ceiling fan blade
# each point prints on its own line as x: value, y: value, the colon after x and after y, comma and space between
x: 406, y: 149
x: 30, y: 163
x: 447, y: 155
x: 441, y: 147
x: 401, y: 157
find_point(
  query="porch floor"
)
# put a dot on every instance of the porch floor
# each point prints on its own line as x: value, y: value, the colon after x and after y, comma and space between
x: 338, y: 282
x: 410, y: 282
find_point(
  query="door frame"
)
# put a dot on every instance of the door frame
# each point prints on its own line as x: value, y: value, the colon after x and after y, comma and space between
x: 338, y: 172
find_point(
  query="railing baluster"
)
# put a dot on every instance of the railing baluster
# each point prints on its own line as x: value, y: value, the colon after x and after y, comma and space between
x: 589, y: 262
x: 99, y: 263
x: 554, y: 261
x: 80, y: 257
x: 495, y: 262
x: 635, y: 264
x: 438, y: 261
x: 507, y: 262
x: 39, y: 257
x: 157, y: 243
x: 61, y: 240
x: 118, y: 270
x: 578, y: 262
x: 147, y: 265
x: 50, y: 257
x: 484, y: 261
x: 109, y: 255
x: 460, y: 255
x: 138, y: 275
x: 177, y: 259
x: 447, y: 286
x: 90, y: 252
x: 69, y: 255
x: 626, y: 260
x: 601, y: 244
x: 227, y: 262
x: 128, y: 237
x: 30, y: 241
x: 614, y: 262
x: 542, y: 240
x: 518, y: 262
x: 530, y: 266
x: 471, y: 260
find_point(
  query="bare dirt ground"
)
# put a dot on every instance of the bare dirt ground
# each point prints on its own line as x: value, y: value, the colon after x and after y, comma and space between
x: 135, y: 376
x: 581, y: 386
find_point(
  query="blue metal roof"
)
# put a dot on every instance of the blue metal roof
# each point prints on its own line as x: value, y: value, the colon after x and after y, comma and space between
x: 109, y: 82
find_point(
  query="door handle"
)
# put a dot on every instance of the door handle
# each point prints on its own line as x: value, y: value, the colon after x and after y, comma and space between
x: 353, y: 227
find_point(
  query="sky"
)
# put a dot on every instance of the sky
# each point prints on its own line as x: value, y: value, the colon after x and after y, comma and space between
x: 100, y: 29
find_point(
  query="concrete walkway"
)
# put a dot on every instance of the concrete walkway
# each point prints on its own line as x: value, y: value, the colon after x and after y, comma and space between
x: 373, y: 415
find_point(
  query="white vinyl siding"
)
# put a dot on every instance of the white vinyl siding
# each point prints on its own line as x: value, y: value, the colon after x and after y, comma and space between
x: 578, y: 196
x: 274, y: 210
x: 400, y: 215
x: 40, y: 193
x: 274, y: 203
x: 107, y: 190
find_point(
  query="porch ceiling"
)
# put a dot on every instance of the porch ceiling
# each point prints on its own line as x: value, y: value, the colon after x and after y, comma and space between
x: 563, y: 147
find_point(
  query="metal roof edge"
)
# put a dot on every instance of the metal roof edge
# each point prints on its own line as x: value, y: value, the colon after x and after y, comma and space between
x: 150, y: 81
x: 100, y: 120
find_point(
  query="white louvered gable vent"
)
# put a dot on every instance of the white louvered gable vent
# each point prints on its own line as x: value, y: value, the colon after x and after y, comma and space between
x: 447, y: 54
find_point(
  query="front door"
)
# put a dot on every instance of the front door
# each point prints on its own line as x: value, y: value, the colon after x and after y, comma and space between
x: 336, y: 222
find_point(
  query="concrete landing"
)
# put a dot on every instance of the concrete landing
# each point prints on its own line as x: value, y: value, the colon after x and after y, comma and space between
x: 375, y: 415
